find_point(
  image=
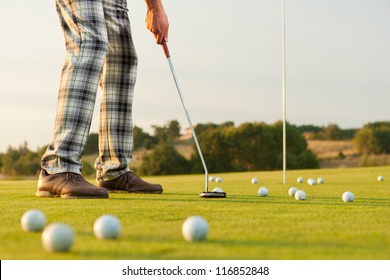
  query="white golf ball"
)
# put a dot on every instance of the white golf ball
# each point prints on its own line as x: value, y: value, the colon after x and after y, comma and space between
x: 211, y: 178
x: 217, y: 190
x: 263, y: 191
x: 218, y: 179
x: 311, y: 182
x: 107, y: 227
x: 348, y: 197
x: 320, y: 180
x: 380, y: 178
x: 254, y: 181
x: 195, y: 228
x: 58, y: 237
x: 300, y: 195
x: 292, y: 191
x: 33, y: 220
x: 300, y: 180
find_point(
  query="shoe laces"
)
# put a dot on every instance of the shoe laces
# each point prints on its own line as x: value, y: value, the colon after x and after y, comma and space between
x: 73, y: 176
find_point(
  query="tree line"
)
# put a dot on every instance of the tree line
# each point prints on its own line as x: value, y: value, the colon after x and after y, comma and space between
x: 329, y: 132
x: 225, y: 147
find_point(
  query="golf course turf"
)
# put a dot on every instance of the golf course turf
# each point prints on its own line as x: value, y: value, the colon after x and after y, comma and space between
x: 242, y: 225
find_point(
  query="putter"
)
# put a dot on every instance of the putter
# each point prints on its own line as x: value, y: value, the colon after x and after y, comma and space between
x: 206, y: 193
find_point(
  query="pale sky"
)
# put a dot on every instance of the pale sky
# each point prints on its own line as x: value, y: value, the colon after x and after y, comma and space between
x: 227, y: 55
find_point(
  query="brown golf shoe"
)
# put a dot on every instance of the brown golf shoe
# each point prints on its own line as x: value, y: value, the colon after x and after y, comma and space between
x: 131, y: 183
x: 67, y: 185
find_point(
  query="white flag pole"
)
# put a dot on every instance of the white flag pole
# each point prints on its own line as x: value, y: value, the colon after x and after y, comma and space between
x: 284, y: 88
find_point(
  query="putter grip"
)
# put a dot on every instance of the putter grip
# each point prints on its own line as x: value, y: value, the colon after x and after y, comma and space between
x: 165, y: 49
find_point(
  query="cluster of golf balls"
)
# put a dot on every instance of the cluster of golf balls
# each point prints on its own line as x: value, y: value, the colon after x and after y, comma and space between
x: 59, y: 237
x: 311, y: 181
x: 216, y: 180
x: 301, y: 195
x: 293, y: 191
x: 262, y: 191
x: 297, y: 194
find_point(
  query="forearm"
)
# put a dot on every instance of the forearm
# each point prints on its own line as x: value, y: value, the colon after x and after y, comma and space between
x: 157, y: 20
x: 154, y: 4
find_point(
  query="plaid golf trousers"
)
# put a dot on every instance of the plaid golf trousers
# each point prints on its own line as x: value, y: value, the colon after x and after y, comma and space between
x: 100, y: 51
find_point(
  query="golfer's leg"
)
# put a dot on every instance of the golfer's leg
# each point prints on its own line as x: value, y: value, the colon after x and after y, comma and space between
x: 86, y: 43
x: 118, y: 80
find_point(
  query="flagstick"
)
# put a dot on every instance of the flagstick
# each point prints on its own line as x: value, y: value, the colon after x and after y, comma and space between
x: 284, y: 89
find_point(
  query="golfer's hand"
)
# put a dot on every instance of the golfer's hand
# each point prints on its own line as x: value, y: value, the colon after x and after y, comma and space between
x: 157, y: 23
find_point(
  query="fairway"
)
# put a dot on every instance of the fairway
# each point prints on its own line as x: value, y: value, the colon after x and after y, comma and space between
x: 242, y: 226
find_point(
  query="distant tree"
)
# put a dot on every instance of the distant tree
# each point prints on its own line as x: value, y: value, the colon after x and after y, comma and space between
x: 298, y: 156
x: 252, y: 146
x: 160, y: 132
x: 363, y: 160
x: 143, y: 139
x: 308, y: 128
x: 349, y: 133
x: 363, y: 141
x: 88, y: 168
x: 373, y: 138
x: 20, y: 161
x: 331, y: 132
x: 173, y: 130
x: 164, y: 160
x: 199, y: 128
x: 92, y: 144
x: 167, y: 133
x: 215, y: 149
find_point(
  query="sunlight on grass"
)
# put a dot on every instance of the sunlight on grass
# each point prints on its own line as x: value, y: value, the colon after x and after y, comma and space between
x: 242, y: 226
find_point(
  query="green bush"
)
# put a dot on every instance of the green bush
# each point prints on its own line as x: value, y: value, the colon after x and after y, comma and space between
x: 164, y: 160
x: 21, y: 161
x: 373, y: 138
x: 88, y: 168
x: 252, y: 146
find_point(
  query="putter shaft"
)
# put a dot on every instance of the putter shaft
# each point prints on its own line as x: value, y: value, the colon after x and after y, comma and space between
x: 168, y: 56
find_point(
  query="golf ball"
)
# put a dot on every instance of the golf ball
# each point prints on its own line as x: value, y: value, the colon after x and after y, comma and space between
x: 300, y: 195
x: 58, y: 237
x: 195, y: 228
x: 292, y: 191
x: 217, y: 190
x: 33, y: 220
x: 107, y: 227
x: 300, y: 180
x: 311, y: 182
x: 380, y: 178
x: 218, y: 179
x: 263, y: 191
x: 254, y: 181
x: 320, y: 180
x: 348, y: 197
x: 211, y: 178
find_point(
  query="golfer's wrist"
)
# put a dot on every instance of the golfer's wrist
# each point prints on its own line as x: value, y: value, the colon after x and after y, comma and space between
x: 154, y: 4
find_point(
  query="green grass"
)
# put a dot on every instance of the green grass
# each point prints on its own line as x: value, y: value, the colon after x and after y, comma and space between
x: 242, y: 226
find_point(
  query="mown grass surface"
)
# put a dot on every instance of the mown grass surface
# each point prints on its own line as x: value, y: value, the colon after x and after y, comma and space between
x: 242, y: 226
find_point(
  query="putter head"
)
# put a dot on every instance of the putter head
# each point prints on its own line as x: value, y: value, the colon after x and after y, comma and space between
x: 212, y: 194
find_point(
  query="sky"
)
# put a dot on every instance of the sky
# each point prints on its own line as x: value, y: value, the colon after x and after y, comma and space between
x: 228, y: 59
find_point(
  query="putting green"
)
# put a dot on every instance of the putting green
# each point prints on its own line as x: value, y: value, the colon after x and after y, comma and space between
x: 242, y: 226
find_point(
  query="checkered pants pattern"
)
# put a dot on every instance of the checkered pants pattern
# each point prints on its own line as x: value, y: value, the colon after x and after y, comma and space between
x: 100, y: 51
